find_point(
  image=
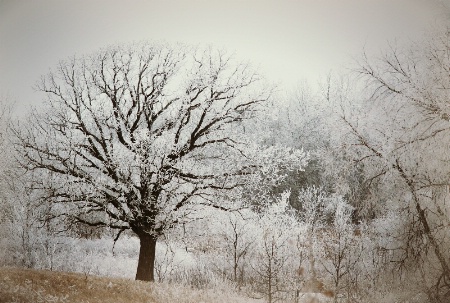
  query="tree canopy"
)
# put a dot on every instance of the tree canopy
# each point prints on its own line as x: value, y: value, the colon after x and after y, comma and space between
x: 137, y: 137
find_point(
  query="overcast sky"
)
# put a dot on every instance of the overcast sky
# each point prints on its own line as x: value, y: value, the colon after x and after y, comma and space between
x: 289, y: 40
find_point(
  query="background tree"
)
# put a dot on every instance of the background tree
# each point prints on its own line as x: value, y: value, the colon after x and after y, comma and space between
x: 275, y: 251
x: 237, y: 231
x: 402, y: 136
x: 5, y: 205
x: 140, y: 137
x: 342, y: 248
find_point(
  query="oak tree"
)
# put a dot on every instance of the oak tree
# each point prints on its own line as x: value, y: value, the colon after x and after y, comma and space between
x: 139, y: 137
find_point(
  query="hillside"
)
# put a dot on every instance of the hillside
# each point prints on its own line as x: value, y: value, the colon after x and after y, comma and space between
x: 26, y: 285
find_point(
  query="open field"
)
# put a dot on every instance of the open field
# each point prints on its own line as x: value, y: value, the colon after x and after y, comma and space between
x: 35, y: 286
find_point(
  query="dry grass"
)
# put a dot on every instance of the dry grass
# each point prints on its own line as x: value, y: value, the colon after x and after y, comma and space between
x: 25, y: 285
x: 35, y: 286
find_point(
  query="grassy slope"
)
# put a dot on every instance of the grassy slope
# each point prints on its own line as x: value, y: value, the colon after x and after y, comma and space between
x: 25, y: 285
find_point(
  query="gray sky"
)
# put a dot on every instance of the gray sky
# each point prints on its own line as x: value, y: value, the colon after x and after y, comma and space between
x: 289, y: 40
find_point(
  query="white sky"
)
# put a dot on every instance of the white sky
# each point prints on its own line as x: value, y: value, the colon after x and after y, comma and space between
x: 290, y: 40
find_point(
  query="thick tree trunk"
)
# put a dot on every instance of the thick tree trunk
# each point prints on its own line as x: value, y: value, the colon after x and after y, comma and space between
x: 146, y: 263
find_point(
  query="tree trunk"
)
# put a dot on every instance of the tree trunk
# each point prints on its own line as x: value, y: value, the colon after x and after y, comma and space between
x: 423, y: 220
x: 146, y: 263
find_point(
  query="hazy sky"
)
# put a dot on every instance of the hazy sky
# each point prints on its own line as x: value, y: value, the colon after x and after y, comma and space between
x: 289, y: 40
